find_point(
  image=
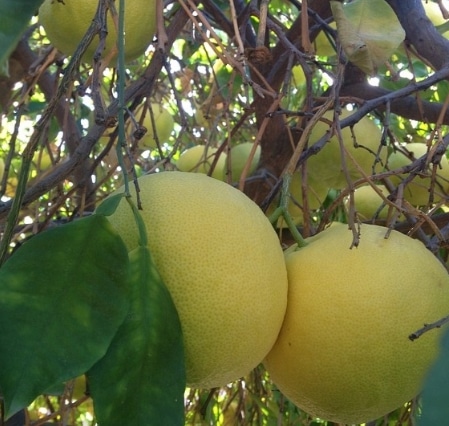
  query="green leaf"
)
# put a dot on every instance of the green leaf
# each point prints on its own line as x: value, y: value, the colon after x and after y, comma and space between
x: 16, y: 15
x: 110, y: 204
x: 63, y: 296
x: 358, y: 27
x: 435, y: 395
x: 141, y: 379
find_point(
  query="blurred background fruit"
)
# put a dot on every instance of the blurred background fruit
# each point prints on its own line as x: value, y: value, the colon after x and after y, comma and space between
x: 417, y: 192
x: 200, y: 159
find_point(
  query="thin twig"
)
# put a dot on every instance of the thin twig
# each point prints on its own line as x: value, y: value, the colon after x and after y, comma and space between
x: 427, y: 327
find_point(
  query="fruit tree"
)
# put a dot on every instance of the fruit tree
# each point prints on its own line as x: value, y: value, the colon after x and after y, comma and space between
x: 224, y: 212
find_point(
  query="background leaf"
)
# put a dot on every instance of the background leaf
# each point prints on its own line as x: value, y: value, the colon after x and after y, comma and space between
x: 358, y: 26
x: 16, y: 15
x: 435, y: 396
x: 62, y: 298
x: 141, y: 379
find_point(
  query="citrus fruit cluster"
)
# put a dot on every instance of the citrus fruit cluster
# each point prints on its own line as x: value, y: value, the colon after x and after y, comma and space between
x: 417, y: 192
x: 210, y: 160
x: 359, y: 154
x: 330, y: 323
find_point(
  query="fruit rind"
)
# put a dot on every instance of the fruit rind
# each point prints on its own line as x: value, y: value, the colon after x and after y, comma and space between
x: 66, y: 23
x: 344, y: 353
x: 223, y: 265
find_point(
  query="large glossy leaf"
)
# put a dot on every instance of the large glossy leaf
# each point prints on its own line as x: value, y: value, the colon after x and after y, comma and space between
x: 63, y: 296
x: 358, y: 26
x: 15, y: 17
x: 141, y: 379
x: 435, y: 396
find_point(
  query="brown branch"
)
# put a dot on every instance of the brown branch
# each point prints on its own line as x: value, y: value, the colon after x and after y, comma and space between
x: 137, y: 89
x: 65, y: 119
x: 421, y: 33
x: 404, y: 106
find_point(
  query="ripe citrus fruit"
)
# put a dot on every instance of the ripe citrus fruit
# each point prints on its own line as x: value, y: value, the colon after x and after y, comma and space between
x: 323, y: 46
x: 417, y: 192
x: 299, y: 78
x: 66, y: 22
x: 223, y: 265
x: 327, y: 165
x: 200, y: 159
x: 164, y: 123
x: 42, y: 160
x: 344, y: 353
x: 11, y: 186
x: 369, y: 204
x: 237, y: 159
x: 434, y: 13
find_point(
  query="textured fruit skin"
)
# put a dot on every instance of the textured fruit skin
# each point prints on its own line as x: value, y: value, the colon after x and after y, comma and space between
x: 237, y: 159
x: 65, y: 24
x: 199, y: 159
x: 164, y: 125
x: 343, y: 353
x: 326, y: 166
x: 368, y: 203
x: 223, y: 265
x: 417, y: 191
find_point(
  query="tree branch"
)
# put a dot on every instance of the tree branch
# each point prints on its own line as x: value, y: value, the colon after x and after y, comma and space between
x: 139, y: 88
x: 420, y: 32
x: 427, y: 327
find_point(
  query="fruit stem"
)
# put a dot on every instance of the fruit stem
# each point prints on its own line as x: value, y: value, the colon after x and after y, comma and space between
x: 121, y: 93
x: 143, y: 239
x: 282, y: 210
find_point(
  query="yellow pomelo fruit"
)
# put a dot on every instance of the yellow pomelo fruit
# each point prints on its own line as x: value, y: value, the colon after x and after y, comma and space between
x: 42, y: 160
x: 11, y: 186
x: 200, y: 159
x: 299, y: 78
x: 79, y: 387
x: 66, y: 22
x: 433, y: 12
x: 327, y: 165
x: 417, y: 192
x: 223, y: 265
x: 368, y: 203
x: 344, y: 353
x: 316, y: 192
x: 237, y: 159
x: 323, y: 46
x: 164, y: 123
